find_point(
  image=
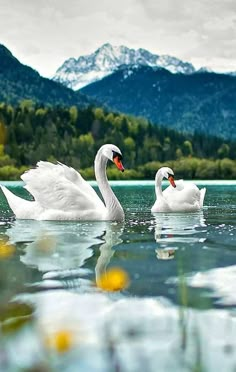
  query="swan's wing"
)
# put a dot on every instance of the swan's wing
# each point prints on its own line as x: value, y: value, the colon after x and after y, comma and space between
x: 202, y: 196
x: 56, y: 186
x: 75, y: 177
x: 183, y: 193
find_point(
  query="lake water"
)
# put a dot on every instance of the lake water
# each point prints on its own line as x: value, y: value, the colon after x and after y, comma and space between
x: 177, y: 314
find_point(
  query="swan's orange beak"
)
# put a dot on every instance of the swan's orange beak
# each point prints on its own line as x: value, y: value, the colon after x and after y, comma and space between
x: 172, y: 181
x: 118, y: 163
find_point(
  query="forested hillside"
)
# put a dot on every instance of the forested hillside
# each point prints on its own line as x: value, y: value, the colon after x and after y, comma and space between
x: 30, y: 132
x: 203, y: 102
x: 18, y: 82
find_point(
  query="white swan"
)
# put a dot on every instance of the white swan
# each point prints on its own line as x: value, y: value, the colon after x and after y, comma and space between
x: 179, y: 197
x: 61, y: 193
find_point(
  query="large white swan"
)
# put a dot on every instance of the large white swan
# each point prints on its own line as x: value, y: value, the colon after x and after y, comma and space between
x: 179, y: 197
x: 61, y: 193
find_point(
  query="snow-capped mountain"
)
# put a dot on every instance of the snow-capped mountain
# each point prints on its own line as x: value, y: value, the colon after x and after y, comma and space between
x: 77, y: 73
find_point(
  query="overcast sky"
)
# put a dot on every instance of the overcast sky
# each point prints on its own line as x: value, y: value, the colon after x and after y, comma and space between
x: 44, y: 33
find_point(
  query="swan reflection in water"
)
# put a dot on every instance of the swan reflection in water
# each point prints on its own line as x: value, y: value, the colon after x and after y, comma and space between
x: 117, y: 333
x: 61, y: 249
x: 170, y: 229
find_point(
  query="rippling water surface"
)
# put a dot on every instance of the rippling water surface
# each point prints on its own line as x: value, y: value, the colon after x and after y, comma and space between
x: 178, y: 312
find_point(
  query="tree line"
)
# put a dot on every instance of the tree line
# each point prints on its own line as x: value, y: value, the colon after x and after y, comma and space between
x: 30, y: 132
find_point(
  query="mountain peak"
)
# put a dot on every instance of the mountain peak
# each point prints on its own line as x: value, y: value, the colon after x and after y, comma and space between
x: 77, y: 73
x: 106, y: 46
x: 4, y: 51
x: 19, y: 82
x: 7, y: 61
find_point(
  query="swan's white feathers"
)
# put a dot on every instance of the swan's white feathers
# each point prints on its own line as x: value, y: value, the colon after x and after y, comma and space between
x: 183, y: 192
x: 202, y: 196
x: 21, y: 207
x: 56, y: 186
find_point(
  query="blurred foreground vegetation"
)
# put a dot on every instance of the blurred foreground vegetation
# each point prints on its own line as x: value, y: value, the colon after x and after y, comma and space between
x: 30, y: 132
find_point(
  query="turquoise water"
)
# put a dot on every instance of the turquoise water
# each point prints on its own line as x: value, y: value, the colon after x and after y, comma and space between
x: 178, y: 311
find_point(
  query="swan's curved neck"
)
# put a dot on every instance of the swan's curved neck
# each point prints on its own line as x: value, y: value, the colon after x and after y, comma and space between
x: 158, y: 181
x: 115, y: 211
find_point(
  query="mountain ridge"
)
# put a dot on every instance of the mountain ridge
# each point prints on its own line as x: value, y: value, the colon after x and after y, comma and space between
x: 202, y: 101
x: 19, y: 82
x: 77, y: 73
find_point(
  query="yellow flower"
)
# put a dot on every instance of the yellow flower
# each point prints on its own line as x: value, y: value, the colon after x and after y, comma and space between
x: 60, y: 341
x: 6, y: 250
x: 114, y: 279
x: 46, y: 244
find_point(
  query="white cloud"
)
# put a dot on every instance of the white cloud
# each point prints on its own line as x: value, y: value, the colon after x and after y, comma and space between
x: 44, y: 33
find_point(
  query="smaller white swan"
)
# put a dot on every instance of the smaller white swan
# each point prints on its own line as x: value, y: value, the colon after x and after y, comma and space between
x: 179, y: 197
x: 61, y: 193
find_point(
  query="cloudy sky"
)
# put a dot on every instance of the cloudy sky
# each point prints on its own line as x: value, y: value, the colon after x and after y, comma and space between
x: 44, y: 33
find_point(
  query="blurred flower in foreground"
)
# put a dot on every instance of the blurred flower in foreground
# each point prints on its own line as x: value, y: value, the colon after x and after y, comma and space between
x: 114, y: 279
x: 6, y: 250
x: 46, y: 244
x: 60, y: 341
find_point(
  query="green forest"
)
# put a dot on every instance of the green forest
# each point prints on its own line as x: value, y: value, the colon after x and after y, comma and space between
x: 30, y: 132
